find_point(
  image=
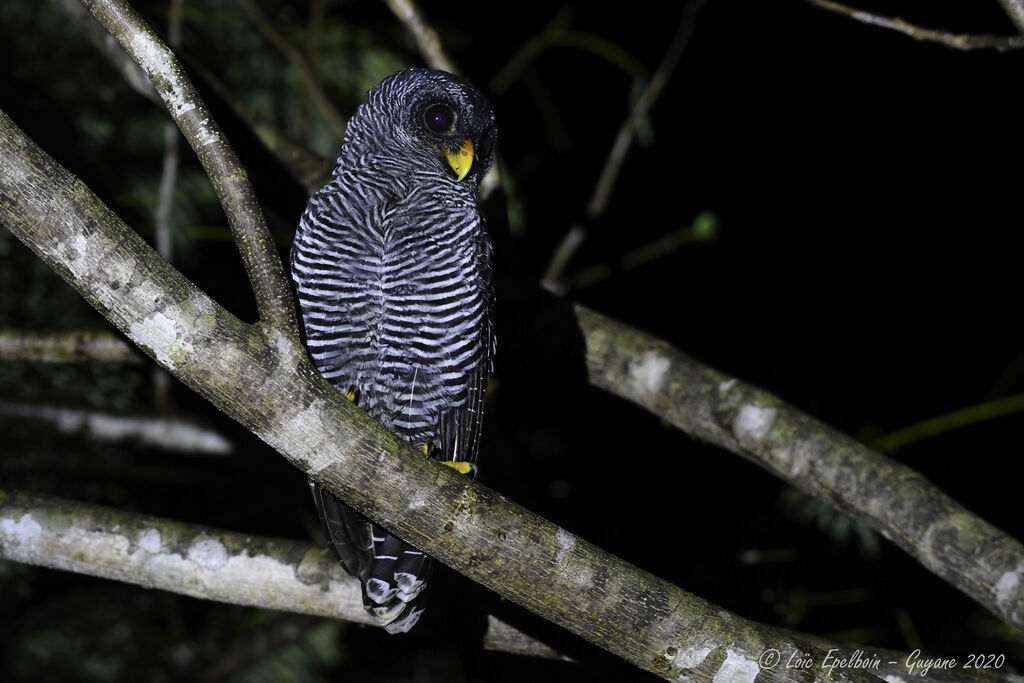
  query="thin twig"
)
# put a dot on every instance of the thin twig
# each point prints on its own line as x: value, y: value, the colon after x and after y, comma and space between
x: 169, y: 173
x: 314, y: 27
x: 310, y: 169
x: 527, y: 53
x: 255, y: 243
x: 423, y: 33
x: 298, y: 60
x: 704, y: 229
x: 602, y: 192
x: 940, y: 424
x: 958, y: 41
x: 558, y: 33
x: 623, y: 141
x: 560, y: 258
x: 108, y: 47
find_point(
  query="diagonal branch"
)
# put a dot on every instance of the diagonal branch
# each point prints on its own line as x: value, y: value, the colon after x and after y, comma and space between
x: 423, y: 33
x: 893, y: 499
x: 651, y: 92
x: 263, y: 378
x: 334, y: 120
x: 87, y: 26
x: 601, y: 195
x: 1015, y: 10
x: 958, y: 41
x: 262, y: 263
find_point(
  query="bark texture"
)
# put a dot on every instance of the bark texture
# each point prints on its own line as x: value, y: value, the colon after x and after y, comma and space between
x: 893, y: 499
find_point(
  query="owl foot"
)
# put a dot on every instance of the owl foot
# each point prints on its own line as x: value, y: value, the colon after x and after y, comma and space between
x: 460, y: 467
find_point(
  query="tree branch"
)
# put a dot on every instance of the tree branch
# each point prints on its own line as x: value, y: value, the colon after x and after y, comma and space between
x: 893, y: 499
x: 271, y: 289
x: 73, y: 346
x: 108, y: 47
x: 423, y: 33
x: 334, y: 120
x: 269, y: 573
x: 192, y: 560
x: 958, y: 41
x: 263, y: 378
x: 598, y: 203
x: 1015, y: 10
x: 201, y: 562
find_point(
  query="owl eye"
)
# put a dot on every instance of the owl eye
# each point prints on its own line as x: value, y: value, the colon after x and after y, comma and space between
x: 439, y: 118
x: 483, y: 150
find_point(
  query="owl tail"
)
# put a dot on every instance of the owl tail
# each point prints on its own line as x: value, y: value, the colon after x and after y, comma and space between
x: 393, y: 574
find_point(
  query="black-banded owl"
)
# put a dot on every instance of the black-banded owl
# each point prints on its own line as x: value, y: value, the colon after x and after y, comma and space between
x: 392, y: 266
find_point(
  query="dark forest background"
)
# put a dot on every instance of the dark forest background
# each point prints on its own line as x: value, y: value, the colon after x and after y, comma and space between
x: 857, y: 203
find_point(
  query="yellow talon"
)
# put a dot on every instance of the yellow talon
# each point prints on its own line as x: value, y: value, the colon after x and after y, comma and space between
x: 460, y: 467
x: 350, y: 395
x: 428, y: 448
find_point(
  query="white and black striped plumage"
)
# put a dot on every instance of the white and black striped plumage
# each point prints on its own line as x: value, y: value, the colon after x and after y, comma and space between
x: 392, y: 265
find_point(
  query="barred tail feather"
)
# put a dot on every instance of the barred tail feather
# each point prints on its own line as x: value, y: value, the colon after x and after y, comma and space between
x: 393, y: 574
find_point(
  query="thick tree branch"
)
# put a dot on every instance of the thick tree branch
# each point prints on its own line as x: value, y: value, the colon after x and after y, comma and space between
x: 154, y: 552
x: 270, y: 573
x: 897, y: 501
x: 273, y: 295
x: 197, y: 561
x: 262, y: 378
x: 958, y: 41
x: 201, y: 562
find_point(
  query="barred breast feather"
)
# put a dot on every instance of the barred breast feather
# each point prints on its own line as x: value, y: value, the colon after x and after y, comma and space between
x: 394, y: 285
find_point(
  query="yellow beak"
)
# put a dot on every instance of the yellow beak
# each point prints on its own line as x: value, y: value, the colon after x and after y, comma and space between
x: 461, y: 160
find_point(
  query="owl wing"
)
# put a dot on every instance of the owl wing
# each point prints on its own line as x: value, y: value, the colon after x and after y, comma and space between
x: 460, y: 428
